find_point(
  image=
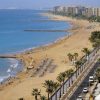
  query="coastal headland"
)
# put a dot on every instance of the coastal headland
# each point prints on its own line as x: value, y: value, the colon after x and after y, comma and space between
x: 46, y: 62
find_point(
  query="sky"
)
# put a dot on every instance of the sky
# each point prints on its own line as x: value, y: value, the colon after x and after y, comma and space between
x: 43, y: 4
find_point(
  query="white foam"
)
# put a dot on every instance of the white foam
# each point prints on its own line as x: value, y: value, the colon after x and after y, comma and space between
x: 14, y: 63
x: 13, y: 66
x: 4, y: 78
x: 9, y: 70
x: 1, y: 80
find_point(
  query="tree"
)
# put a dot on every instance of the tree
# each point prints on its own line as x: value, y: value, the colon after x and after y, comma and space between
x: 61, y: 78
x: 70, y: 57
x: 55, y: 86
x: 75, y: 56
x: 69, y: 74
x: 21, y: 99
x: 35, y: 93
x: 95, y: 38
x: 77, y: 65
x: 99, y: 60
x: 43, y: 97
x: 49, y: 87
x: 98, y: 74
x: 86, y: 51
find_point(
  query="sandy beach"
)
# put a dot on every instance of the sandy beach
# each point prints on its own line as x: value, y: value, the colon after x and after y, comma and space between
x: 53, y: 56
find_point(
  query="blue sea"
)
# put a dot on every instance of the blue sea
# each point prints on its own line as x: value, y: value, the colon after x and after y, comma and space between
x: 14, y: 39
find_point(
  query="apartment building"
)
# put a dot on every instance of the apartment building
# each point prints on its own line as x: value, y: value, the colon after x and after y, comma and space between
x: 88, y: 12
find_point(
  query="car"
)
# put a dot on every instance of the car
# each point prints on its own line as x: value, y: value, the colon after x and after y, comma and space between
x: 79, y: 98
x: 91, y: 79
x: 85, y: 90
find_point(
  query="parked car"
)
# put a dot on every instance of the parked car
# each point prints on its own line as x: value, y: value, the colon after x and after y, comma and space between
x: 79, y: 98
x: 85, y: 90
x: 91, y: 79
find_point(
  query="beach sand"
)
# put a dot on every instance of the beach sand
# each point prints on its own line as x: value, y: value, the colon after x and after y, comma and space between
x: 23, y: 85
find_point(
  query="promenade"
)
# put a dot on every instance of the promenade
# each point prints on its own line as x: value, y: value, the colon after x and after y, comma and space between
x: 73, y: 82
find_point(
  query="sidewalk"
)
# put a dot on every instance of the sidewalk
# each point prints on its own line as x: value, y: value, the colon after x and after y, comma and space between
x: 97, y: 90
x: 91, y: 90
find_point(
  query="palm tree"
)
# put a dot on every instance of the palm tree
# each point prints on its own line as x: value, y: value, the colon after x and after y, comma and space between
x: 56, y: 85
x: 75, y: 56
x: 49, y: 87
x: 21, y: 99
x: 35, y: 93
x: 61, y: 78
x: 86, y: 51
x: 43, y: 97
x: 69, y: 74
x: 70, y: 57
x: 77, y: 65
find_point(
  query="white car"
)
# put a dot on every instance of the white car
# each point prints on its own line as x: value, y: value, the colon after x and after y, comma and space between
x: 79, y: 98
x: 91, y: 79
x: 85, y: 90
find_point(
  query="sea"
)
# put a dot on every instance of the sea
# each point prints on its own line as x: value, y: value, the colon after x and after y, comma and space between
x: 13, y: 38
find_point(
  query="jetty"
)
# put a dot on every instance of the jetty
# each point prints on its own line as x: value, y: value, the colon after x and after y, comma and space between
x: 48, y: 20
x: 8, y: 56
x: 34, y: 30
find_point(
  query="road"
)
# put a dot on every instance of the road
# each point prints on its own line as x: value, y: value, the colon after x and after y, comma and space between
x: 84, y: 83
x: 70, y: 92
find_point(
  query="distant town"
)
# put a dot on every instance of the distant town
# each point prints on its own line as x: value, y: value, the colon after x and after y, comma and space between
x: 78, y: 10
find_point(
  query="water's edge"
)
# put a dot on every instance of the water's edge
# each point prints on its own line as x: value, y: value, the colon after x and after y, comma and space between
x: 29, y: 50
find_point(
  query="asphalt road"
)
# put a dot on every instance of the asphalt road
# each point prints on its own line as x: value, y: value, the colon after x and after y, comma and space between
x: 84, y: 83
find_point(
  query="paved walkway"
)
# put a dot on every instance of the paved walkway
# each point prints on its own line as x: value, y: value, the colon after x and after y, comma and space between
x: 97, y: 90
x: 90, y: 65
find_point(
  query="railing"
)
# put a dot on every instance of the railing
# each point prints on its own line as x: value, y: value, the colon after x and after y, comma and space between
x: 59, y: 93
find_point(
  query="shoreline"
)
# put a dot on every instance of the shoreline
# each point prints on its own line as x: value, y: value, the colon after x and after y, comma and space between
x: 45, y: 46
x: 33, y: 49
x: 27, y: 50
x: 56, y: 51
x: 58, y: 40
x: 16, y: 66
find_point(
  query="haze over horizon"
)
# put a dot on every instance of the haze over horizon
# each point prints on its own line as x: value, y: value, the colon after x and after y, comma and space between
x: 42, y: 4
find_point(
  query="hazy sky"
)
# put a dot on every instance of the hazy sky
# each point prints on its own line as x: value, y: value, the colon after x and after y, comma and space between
x: 38, y: 4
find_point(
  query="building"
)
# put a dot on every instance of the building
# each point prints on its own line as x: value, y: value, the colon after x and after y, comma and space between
x: 65, y: 9
x: 88, y: 12
x: 58, y: 9
x: 98, y: 11
x: 75, y: 11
